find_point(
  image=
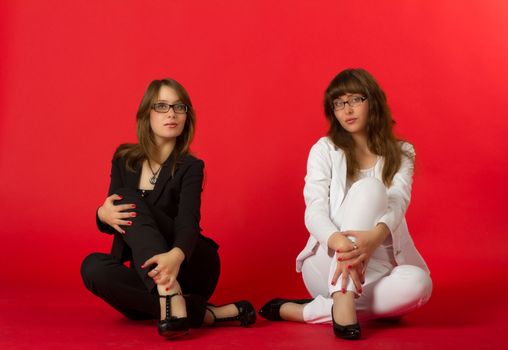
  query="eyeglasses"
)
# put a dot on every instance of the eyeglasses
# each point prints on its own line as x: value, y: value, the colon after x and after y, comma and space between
x: 163, y: 107
x: 352, y: 102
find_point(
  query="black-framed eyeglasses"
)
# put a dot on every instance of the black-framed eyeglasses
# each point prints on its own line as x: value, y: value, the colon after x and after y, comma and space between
x: 353, y: 101
x: 163, y: 107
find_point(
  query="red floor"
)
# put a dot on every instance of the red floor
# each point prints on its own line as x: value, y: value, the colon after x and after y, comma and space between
x: 56, y: 318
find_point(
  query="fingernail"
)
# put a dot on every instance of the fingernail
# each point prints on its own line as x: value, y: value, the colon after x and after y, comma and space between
x: 129, y: 223
x: 333, y: 283
x: 349, y: 266
x: 339, y: 258
x: 338, y: 251
x: 133, y: 206
x: 123, y: 232
x: 167, y: 289
x: 360, y: 290
x: 343, y: 291
x: 120, y: 197
x: 133, y: 215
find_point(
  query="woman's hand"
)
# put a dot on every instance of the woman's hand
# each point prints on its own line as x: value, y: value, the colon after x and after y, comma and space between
x: 366, y: 242
x: 115, y: 215
x: 168, y: 266
x: 341, y: 244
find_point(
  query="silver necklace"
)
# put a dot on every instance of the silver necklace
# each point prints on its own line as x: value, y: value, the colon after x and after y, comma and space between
x: 155, y: 174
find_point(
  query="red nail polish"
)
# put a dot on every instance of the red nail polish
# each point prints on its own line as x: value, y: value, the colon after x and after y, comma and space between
x: 129, y: 223
x: 120, y: 197
x: 360, y: 290
x: 167, y: 289
x: 333, y: 283
x: 343, y: 291
x: 338, y: 251
x: 339, y: 258
x: 133, y: 215
x: 133, y: 206
x: 349, y: 266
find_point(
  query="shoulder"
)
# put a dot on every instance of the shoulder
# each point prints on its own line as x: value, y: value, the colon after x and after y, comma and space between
x: 323, y: 146
x: 189, y: 164
x: 190, y: 160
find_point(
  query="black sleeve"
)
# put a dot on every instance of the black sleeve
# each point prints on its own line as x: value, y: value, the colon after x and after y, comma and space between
x: 115, y: 182
x: 187, y: 221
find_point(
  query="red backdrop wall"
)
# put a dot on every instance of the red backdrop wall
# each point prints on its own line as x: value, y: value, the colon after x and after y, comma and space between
x: 73, y: 73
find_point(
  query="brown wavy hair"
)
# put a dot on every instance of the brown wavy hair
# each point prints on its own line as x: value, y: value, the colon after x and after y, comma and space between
x: 380, y: 137
x: 146, y: 148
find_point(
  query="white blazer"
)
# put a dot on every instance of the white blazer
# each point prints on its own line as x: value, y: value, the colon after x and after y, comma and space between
x: 324, y: 192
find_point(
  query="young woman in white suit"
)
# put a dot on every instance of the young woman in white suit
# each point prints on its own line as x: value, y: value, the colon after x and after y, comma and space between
x: 359, y: 257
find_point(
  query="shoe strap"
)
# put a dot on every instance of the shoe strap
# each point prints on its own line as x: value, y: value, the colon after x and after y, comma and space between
x: 225, y: 319
x: 168, y: 303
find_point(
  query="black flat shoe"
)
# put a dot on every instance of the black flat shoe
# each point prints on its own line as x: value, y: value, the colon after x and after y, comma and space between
x: 349, y: 332
x: 246, y: 314
x: 271, y: 310
x: 173, y: 326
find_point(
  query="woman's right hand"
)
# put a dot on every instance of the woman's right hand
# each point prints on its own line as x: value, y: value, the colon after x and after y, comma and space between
x: 116, y: 215
x: 341, y: 244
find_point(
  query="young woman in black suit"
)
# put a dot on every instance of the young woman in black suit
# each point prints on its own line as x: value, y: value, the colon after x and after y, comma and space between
x: 153, y: 210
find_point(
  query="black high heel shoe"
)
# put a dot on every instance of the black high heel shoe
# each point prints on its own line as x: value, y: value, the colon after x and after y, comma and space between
x: 173, y: 326
x: 349, y: 332
x: 246, y: 314
x: 271, y: 310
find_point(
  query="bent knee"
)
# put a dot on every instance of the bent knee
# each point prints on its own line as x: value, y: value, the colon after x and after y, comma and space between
x: 370, y: 187
x: 92, y: 267
x: 129, y: 196
x: 416, y: 282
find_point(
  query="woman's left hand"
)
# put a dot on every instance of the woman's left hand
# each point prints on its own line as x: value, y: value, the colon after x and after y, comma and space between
x: 168, y: 266
x: 366, y: 242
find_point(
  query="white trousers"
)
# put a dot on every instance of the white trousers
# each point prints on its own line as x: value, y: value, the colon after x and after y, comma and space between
x: 389, y: 290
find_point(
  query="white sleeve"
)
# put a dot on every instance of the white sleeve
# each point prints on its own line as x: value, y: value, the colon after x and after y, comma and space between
x: 399, y: 193
x: 317, y: 194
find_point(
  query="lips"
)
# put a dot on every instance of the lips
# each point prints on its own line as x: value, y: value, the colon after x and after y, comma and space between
x: 350, y: 120
x: 171, y: 125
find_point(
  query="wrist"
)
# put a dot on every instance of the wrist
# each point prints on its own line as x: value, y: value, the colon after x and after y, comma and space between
x: 382, y: 231
x: 178, y: 253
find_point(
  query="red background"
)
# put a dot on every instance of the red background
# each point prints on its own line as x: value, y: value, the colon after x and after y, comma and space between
x: 72, y: 75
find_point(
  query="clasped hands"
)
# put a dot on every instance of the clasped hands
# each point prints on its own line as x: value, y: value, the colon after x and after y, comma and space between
x: 352, y: 258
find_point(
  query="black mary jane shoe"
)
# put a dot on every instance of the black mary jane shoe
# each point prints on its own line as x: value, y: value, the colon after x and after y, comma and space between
x: 172, y: 326
x: 349, y: 332
x: 246, y: 314
x: 271, y: 310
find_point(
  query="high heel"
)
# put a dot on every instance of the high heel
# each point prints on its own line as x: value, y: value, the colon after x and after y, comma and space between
x: 172, y: 326
x: 271, y: 310
x: 349, y: 332
x: 246, y: 314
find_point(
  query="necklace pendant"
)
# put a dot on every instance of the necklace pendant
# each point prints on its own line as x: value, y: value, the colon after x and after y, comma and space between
x: 153, y: 180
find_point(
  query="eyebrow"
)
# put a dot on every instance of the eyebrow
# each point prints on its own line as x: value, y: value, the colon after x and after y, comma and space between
x: 167, y: 101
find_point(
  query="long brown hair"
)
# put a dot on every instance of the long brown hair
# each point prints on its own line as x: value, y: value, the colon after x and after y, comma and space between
x: 146, y: 148
x: 380, y: 137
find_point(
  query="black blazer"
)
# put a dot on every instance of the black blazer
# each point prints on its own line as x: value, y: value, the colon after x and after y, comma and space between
x: 177, y: 196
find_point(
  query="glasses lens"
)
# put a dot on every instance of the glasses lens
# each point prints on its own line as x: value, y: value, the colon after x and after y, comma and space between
x: 338, y: 104
x: 355, y: 101
x: 161, y: 107
x: 180, y: 108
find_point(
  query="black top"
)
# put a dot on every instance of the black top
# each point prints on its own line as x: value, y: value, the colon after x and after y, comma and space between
x: 178, y: 196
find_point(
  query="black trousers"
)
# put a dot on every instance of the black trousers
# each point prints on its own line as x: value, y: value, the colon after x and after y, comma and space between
x: 128, y: 289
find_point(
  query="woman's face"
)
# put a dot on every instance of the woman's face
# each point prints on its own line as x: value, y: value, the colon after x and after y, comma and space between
x: 167, y: 125
x: 352, y: 118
